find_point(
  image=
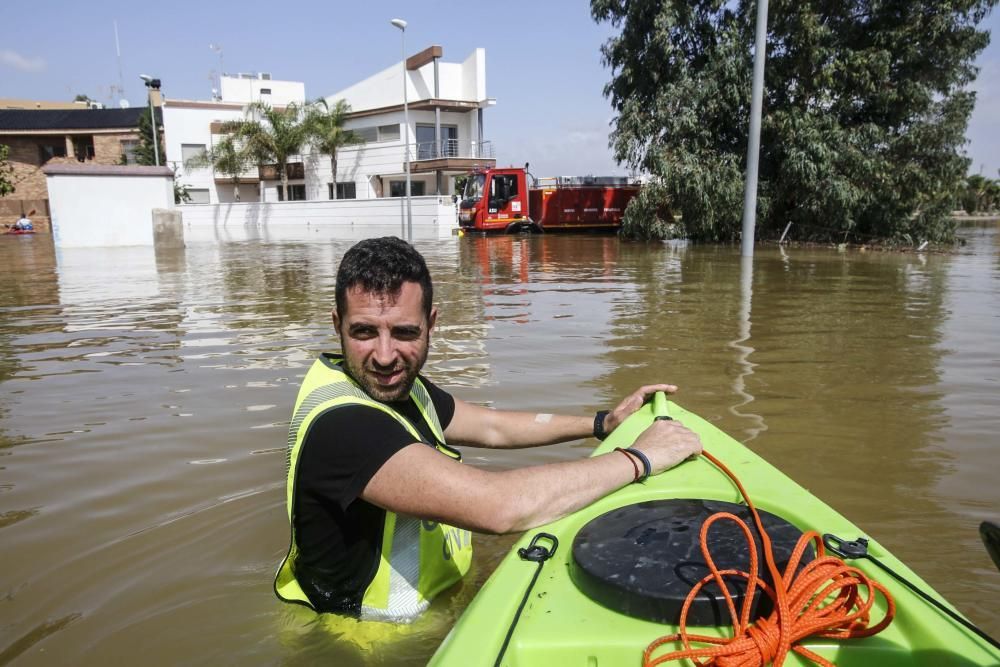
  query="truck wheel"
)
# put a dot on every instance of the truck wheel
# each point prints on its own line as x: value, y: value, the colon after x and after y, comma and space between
x: 523, y: 228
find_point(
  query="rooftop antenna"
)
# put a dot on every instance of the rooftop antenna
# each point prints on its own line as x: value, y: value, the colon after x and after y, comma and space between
x: 121, y: 80
x: 222, y: 70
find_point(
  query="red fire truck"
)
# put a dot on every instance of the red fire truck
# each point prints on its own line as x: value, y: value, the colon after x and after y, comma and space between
x: 500, y: 200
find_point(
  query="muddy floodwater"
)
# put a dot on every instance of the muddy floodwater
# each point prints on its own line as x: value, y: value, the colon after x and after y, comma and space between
x: 144, y: 399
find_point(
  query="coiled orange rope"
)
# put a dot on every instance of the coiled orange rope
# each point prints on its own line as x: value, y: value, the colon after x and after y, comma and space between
x: 828, y: 598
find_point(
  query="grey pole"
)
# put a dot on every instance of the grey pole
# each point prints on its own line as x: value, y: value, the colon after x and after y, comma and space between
x: 401, y: 24
x: 753, y: 146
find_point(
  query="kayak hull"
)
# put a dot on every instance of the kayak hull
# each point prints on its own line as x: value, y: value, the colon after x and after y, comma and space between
x: 560, y: 625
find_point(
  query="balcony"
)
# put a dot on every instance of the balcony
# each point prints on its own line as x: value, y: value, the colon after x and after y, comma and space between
x: 452, y: 155
x: 269, y: 172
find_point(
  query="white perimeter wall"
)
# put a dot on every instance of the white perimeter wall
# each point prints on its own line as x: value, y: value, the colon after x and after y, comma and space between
x: 433, y: 217
x: 92, y: 211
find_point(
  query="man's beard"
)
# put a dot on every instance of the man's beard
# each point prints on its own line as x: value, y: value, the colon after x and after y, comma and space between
x: 399, y: 392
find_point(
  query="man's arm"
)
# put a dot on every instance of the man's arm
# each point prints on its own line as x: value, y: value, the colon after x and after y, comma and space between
x: 419, y: 481
x: 477, y: 426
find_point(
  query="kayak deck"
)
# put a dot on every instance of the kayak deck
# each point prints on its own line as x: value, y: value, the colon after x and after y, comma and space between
x: 560, y: 625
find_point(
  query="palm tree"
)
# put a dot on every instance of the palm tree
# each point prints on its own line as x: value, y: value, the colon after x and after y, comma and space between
x: 280, y: 136
x: 326, y: 133
x: 228, y: 157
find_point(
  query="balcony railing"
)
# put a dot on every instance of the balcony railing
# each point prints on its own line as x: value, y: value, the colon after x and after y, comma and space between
x: 446, y: 148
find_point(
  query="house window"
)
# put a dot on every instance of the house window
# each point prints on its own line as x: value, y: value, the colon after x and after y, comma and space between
x: 388, y: 132
x: 198, y: 195
x: 83, y: 148
x: 189, y: 151
x: 344, y: 190
x: 129, y: 147
x: 48, y: 151
x: 398, y: 188
x: 295, y: 193
x: 380, y: 133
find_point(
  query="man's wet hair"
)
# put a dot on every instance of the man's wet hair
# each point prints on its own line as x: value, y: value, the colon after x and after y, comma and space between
x: 381, y: 266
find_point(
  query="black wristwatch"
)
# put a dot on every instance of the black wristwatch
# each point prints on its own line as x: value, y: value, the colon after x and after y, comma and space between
x: 599, y: 431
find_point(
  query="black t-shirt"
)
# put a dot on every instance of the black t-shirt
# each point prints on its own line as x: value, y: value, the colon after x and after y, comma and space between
x: 339, y: 534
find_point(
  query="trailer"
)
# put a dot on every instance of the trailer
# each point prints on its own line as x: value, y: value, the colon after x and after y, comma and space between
x: 500, y: 200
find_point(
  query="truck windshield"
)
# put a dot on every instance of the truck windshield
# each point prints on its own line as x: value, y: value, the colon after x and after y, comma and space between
x: 474, y: 187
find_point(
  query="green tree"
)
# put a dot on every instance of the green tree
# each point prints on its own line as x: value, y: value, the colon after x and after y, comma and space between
x: 6, y: 172
x: 865, y: 111
x: 181, y: 194
x: 271, y: 135
x: 325, y: 131
x: 228, y: 157
x: 144, y: 153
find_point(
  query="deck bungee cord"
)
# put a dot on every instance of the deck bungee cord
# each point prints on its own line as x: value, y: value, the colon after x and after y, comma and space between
x: 859, y: 549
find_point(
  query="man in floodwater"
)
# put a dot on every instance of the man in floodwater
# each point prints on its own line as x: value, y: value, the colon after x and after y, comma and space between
x: 380, y: 506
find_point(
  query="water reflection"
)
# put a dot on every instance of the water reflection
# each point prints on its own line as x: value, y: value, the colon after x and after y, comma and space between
x: 743, y: 351
x: 144, y: 397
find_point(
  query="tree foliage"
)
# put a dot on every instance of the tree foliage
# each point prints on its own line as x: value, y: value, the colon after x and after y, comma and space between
x: 228, y: 157
x: 144, y: 153
x: 325, y: 130
x: 6, y: 172
x: 865, y: 111
x: 980, y: 195
x: 271, y: 134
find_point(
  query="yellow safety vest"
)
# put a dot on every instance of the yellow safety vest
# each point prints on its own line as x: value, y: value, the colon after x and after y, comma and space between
x: 418, y: 559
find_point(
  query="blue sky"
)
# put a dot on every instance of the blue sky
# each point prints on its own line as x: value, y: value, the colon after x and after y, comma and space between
x: 543, y: 61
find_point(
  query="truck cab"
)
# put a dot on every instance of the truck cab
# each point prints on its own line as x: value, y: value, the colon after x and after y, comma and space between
x: 496, y: 200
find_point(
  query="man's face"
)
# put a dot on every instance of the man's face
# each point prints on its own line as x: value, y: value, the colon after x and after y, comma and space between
x: 385, y: 339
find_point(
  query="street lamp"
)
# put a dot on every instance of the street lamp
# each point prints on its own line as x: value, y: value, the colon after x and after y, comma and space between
x: 401, y: 24
x: 151, y: 85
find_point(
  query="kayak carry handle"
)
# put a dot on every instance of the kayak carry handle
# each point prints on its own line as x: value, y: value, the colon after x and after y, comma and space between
x: 660, y: 405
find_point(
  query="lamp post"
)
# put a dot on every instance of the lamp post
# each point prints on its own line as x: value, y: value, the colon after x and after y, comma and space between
x: 401, y: 24
x: 151, y: 85
x: 753, y: 144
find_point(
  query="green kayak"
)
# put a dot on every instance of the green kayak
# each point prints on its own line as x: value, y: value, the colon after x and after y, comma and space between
x: 589, y: 599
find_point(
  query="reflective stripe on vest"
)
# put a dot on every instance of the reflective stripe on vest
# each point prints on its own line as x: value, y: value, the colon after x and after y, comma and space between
x: 418, y: 559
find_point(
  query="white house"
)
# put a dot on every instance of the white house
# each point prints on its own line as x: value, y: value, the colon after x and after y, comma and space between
x: 444, y: 134
x: 190, y: 127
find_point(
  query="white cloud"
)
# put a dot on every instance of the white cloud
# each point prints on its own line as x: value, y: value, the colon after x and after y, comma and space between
x: 16, y: 61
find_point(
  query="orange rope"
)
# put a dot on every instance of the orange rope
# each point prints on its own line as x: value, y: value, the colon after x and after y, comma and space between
x: 799, y: 609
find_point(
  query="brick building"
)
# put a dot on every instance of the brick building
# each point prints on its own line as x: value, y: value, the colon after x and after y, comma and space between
x: 37, y: 137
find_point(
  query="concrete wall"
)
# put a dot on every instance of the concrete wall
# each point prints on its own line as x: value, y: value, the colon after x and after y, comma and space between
x: 433, y: 217
x: 244, y: 91
x: 106, y: 206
